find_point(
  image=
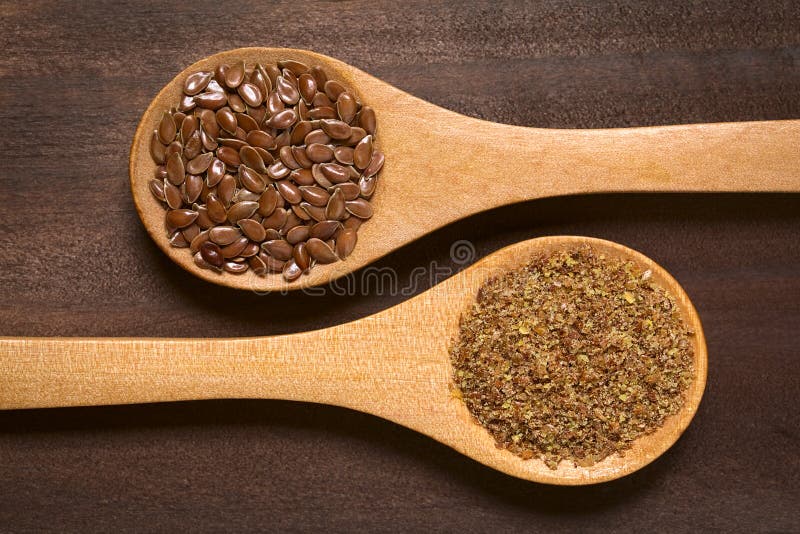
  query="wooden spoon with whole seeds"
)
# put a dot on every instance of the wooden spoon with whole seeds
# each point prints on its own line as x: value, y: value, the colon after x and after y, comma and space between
x: 441, y: 166
x: 394, y: 364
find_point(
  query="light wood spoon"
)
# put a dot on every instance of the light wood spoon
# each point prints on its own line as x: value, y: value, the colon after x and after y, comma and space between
x: 442, y: 166
x: 394, y: 364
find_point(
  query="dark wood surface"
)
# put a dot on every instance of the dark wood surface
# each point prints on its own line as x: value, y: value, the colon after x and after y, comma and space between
x: 74, y: 260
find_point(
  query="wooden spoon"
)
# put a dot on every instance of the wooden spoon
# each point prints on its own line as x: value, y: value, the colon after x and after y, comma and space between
x: 442, y: 166
x: 394, y: 364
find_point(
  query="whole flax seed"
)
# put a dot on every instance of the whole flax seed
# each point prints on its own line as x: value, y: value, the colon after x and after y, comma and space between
x: 572, y: 357
x: 271, y: 149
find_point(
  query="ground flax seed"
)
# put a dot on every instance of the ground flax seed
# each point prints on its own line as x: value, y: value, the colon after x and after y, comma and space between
x: 572, y: 356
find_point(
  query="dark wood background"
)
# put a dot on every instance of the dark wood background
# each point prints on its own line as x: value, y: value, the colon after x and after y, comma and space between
x: 74, y: 261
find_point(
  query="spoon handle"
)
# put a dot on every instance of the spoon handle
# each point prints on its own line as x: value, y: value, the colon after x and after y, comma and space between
x: 723, y: 157
x: 370, y: 365
x: 461, y: 165
x: 49, y: 372
x: 385, y: 364
x: 452, y: 157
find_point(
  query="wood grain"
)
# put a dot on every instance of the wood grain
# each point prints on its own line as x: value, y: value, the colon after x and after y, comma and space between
x: 74, y: 83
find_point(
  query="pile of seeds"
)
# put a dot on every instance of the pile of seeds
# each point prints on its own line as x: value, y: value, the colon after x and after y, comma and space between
x: 268, y: 168
x: 572, y: 356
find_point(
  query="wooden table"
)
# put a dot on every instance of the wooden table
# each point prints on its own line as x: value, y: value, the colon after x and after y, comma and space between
x: 74, y: 260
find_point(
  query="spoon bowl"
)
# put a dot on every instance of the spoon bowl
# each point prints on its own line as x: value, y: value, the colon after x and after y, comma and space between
x: 442, y: 166
x: 394, y: 364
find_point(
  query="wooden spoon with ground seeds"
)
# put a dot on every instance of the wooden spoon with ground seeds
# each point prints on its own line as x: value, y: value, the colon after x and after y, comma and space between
x: 394, y: 364
x: 442, y: 166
